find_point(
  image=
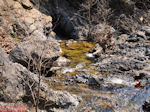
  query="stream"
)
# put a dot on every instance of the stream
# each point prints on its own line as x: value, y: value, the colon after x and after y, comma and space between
x: 99, y: 83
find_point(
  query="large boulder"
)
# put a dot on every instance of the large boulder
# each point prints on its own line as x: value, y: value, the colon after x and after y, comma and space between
x: 36, y: 50
x: 16, y: 79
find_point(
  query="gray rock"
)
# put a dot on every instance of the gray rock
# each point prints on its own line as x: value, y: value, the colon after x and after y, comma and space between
x: 89, y: 79
x: 18, y: 30
x: 133, y: 38
x: 147, y: 30
x: 14, y: 79
x: 39, y: 35
x: 121, y: 65
x: 48, y: 28
x: 141, y: 34
x: 129, y: 98
x: 62, y: 61
x: 147, y: 53
x: 101, y: 28
x: 36, y: 50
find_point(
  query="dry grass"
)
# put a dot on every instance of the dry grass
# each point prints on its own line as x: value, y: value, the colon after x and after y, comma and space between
x: 125, y: 16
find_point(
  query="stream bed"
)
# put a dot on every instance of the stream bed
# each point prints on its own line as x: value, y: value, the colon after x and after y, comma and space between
x: 108, y: 83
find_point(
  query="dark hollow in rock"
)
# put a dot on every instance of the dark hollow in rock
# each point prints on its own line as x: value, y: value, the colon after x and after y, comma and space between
x: 146, y: 107
x: 141, y: 76
x: 63, y: 26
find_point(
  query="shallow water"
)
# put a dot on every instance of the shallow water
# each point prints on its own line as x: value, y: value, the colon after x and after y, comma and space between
x: 118, y: 93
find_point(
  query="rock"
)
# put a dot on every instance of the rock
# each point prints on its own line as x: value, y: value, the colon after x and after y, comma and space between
x: 133, y: 38
x: 96, y: 51
x: 141, y: 34
x: 80, y: 66
x: 147, y: 30
x: 147, y: 52
x: 121, y: 39
x: 47, y: 51
x: 2, y: 3
x: 63, y: 99
x: 62, y: 61
x: 67, y: 70
x: 14, y: 80
x: 53, y: 34
x: 90, y: 55
x: 89, y: 79
x: 82, y: 32
x: 29, y: 21
x: 129, y: 98
x: 39, y: 35
x: 18, y: 30
x: 146, y: 106
x: 101, y: 28
x: 47, y: 29
x: 121, y: 65
x: 27, y: 4
x: 109, y: 80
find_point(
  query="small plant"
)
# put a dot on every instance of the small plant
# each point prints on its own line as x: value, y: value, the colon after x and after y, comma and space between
x: 15, y: 35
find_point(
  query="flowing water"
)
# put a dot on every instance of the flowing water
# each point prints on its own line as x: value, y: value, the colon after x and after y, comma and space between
x: 116, y: 94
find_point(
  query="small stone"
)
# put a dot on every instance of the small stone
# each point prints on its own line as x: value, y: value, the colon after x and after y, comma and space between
x: 48, y: 19
x: 80, y: 66
x: 62, y: 61
x: 26, y: 4
x: 53, y: 34
x: 141, y: 34
x: 28, y: 21
x: 147, y: 30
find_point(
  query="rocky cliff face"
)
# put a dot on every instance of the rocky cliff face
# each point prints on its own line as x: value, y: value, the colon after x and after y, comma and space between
x: 21, y: 21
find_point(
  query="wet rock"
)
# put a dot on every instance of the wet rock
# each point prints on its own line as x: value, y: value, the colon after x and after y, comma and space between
x: 146, y: 107
x: 124, y: 96
x: 63, y: 99
x: 140, y: 76
x: 119, y: 65
x: 87, y: 79
x: 67, y: 70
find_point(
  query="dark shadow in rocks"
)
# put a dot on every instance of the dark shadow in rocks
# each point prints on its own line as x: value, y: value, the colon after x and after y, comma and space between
x: 146, y: 107
x: 63, y: 26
